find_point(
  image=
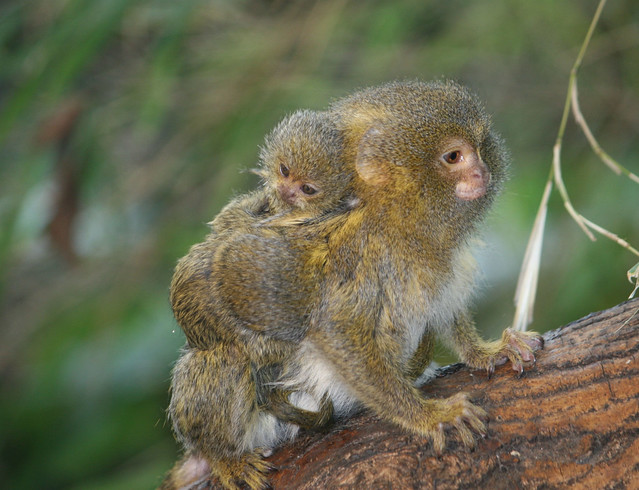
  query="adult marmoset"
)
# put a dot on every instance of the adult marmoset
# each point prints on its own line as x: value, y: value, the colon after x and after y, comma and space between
x: 399, y: 269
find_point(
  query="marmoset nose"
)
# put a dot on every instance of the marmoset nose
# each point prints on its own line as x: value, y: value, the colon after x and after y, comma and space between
x: 287, y: 193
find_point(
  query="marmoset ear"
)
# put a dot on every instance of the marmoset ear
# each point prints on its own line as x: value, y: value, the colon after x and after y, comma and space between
x: 370, y: 164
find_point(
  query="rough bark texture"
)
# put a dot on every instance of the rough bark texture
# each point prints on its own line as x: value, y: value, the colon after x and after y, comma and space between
x: 572, y: 420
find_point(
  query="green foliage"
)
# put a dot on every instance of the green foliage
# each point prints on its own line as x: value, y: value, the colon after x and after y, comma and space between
x: 171, y: 101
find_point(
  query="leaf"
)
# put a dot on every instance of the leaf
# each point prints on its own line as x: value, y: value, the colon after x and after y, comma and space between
x: 633, y: 277
x: 527, y: 284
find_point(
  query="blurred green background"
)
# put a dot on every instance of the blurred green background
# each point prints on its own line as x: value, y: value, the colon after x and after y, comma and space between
x: 125, y: 125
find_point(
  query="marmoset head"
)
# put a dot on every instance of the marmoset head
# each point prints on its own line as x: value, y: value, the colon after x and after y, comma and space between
x: 428, y: 142
x: 302, y: 163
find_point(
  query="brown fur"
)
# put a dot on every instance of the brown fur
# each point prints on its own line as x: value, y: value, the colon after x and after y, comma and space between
x: 225, y: 397
x: 348, y: 303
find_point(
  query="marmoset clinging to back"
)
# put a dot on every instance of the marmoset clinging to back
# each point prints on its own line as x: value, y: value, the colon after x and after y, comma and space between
x: 304, y: 176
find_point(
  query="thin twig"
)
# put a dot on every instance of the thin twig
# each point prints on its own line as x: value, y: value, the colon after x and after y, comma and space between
x: 564, y: 119
x: 559, y: 181
x: 528, y: 276
x: 572, y: 100
x: 605, y: 158
x: 610, y: 235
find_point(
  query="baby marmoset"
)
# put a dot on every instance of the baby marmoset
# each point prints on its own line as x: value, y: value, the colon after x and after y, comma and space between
x: 304, y: 177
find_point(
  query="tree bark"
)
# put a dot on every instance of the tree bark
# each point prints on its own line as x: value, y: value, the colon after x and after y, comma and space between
x: 572, y: 420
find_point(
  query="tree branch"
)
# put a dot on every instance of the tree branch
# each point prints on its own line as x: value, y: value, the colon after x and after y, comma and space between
x: 571, y: 420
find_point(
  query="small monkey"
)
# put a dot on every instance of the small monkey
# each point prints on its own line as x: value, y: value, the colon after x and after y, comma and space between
x: 399, y: 270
